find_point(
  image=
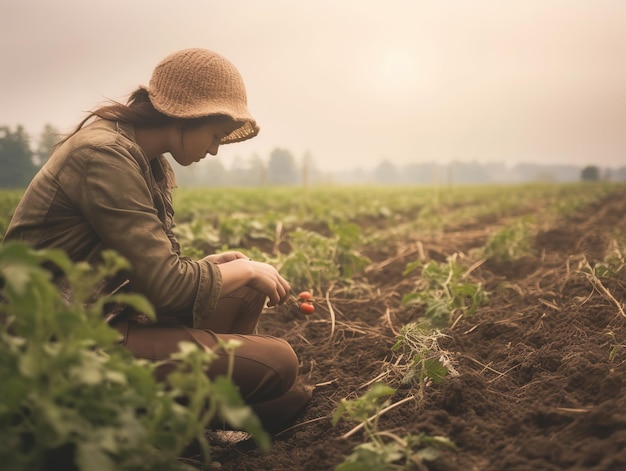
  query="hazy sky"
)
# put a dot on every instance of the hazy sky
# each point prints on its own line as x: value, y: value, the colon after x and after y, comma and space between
x: 352, y: 82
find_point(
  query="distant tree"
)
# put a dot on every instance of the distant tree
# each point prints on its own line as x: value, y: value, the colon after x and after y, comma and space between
x: 16, y: 158
x: 246, y: 172
x: 281, y: 169
x: 590, y: 173
x: 258, y: 170
x: 386, y: 172
x: 308, y: 169
x: 420, y: 173
x: 545, y: 177
x: 467, y: 172
x: 47, y: 140
x: 213, y: 173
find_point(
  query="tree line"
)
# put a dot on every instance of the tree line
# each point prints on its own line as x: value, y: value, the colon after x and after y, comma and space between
x: 19, y: 161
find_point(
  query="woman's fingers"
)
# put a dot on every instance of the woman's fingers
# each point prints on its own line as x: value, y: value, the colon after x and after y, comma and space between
x: 280, y: 291
x: 270, y: 283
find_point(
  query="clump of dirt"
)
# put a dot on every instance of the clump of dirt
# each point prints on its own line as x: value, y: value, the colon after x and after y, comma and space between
x: 541, y: 367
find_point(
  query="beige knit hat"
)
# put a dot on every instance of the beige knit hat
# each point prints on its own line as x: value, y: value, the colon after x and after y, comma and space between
x: 195, y: 83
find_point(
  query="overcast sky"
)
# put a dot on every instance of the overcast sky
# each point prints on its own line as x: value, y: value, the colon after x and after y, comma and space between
x: 352, y: 82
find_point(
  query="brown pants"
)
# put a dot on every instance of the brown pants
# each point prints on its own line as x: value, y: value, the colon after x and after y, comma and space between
x: 265, y: 368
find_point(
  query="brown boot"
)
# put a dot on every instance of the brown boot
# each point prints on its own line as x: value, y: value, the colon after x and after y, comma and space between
x: 278, y: 414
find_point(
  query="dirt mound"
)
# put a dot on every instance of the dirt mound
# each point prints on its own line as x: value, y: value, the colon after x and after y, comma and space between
x: 541, y: 367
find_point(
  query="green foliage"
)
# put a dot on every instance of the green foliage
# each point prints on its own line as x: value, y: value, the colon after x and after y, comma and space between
x: 384, y: 450
x: 512, y: 242
x: 443, y: 291
x: 311, y: 262
x: 16, y: 158
x: 48, y: 138
x: 590, y: 173
x: 362, y: 408
x: 411, y: 453
x: 195, y: 235
x: 235, y: 229
x: 316, y: 261
x: 72, y: 398
x: 199, y: 237
x: 8, y: 202
x: 613, y: 263
x: 351, y: 262
x: 255, y: 216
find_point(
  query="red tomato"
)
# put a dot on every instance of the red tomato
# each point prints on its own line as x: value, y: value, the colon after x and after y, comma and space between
x: 305, y: 295
x: 307, y: 308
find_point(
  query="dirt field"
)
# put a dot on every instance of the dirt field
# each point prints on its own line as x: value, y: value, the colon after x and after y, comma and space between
x: 536, y: 390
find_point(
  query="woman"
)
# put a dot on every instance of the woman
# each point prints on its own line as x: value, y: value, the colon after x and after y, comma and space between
x: 108, y: 186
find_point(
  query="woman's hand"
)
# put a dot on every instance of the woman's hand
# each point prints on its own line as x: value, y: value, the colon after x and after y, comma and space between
x: 226, y: 257
x: 267, y: 280
x: 257, y: 275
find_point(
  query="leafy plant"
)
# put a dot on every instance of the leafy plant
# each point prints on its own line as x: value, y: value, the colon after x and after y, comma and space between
x: 426, y: 362
x: 195, y: 235
x: 8, y: 201
x: 617, y: 348
x: 443, y: 291
x: 347, y: 256
x: 510, y: 243
x: 311, y: 262
x: 72, y: 398
x: 384, y: 450
x: 316, y: 261
x: 613, y: 263
x: 607, y: 271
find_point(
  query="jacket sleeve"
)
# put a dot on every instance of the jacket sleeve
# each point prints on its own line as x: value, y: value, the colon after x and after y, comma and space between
x: 116, y: 200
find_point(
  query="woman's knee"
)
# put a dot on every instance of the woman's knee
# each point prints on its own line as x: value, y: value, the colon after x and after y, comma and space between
x: 264, y: 367
x: 286, y: 365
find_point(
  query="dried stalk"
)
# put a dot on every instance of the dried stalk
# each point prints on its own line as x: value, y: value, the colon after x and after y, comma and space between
x: 332, y: 315
x: 388, y: 318
x: 597, y: 284
x: 381, y: 412
x: 317, y: 419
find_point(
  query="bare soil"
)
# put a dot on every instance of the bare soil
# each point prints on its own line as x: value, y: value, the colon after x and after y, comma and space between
x: 537, y: 388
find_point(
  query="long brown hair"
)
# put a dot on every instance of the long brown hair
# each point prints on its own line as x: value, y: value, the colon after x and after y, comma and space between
x: 139, y: 112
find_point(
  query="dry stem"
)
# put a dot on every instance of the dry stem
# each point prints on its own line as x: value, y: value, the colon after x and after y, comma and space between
x: 332, y: 315
x: 381, y: 412
x: 597, y: 284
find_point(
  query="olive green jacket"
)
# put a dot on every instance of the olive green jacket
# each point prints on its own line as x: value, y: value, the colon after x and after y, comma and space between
x: 99, y: 191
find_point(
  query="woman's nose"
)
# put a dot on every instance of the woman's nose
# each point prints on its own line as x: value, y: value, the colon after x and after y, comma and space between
x: 213, y: 149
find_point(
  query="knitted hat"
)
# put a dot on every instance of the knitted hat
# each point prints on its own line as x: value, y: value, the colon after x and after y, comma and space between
x: 196, y: 83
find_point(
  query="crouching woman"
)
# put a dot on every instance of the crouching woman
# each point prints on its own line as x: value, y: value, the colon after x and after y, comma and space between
x: 108, y: 185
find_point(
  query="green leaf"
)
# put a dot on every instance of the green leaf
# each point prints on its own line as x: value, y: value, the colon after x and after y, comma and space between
x: 89, y: 456
x: 435, y: 370
x: 411, y: 267
x: 136, y: 301
x: 237, y: 413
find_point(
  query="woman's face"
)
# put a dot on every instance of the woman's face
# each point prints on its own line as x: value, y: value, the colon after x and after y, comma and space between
x: 197, y: 141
